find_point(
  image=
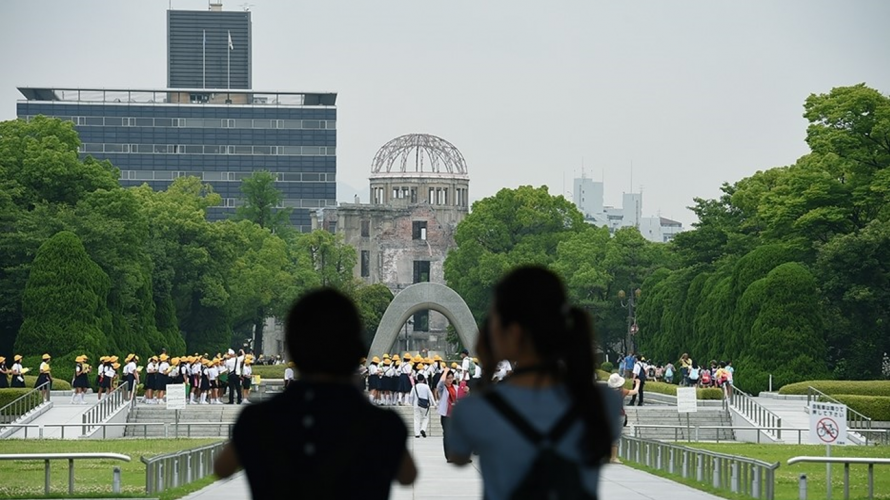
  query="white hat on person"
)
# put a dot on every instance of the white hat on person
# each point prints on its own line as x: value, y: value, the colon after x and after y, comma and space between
x: 616, y: 381
x: 231, y: 352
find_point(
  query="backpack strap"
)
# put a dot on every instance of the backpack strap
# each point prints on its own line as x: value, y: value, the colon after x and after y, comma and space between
x: 526, y: 429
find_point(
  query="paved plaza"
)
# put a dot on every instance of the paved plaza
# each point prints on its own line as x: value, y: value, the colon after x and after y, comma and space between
x: 439, y: 480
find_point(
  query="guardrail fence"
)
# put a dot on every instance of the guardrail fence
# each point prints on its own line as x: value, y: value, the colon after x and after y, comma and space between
x: 855, y: 420
x: 846, y: 461
x: 745, y: 404
x: 105, y: 408
x: 23, y: 404
x: 70, y: 457
x: 179, y: 468
x: 171, y: 429
x: 754, y: 478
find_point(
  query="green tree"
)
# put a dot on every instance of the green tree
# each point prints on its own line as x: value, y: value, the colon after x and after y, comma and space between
x: 514, y: 227
x: 330, y: 260
x: 64, y: 301
x: 262, y: 202
x: 371, y: 301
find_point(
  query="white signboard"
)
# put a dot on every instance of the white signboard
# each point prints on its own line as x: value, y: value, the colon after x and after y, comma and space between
x: 828, y: 423
x: 686, y: 400
x: 176, y: 397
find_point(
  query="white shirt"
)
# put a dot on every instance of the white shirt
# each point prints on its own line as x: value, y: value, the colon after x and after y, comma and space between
x: 78, y: 368
x: 406, y: 368
x: 504, y: 368
x: 289, y: 372
x: 185, y: 369
x: 422, y: 391
x: 372, y: 370
x: 151, y: 367
x: 230, y: 364
x: 478, y: 372
x: 174, y: 371
x: 239, y: 365
x: 16, y: 368
x: 246, y: 371
x: 163, y: 367
x: 130, y: 368
x: 109, y: 372
x: 212, y: 373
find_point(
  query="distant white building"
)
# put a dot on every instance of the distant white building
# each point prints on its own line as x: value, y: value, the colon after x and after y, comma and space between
x: 588, y: 197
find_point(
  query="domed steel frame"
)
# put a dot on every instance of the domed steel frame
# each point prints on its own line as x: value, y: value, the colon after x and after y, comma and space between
x: 426, y: 151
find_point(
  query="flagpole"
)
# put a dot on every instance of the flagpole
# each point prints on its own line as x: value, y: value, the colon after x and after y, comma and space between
x: 229, y: 63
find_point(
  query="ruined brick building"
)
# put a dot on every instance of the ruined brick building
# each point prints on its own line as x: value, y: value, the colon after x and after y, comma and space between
x: 419, y: 193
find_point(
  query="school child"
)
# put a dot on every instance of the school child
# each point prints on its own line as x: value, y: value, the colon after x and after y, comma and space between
x: 197, y: 372
x: 17, y: 372
x: 213, y: 381
x: 373, y: 379
x: 204, y: 381
x: 151, y: 376
x: 389, y: 373
x: 108, y: 375
x: 246, y: 374
x: 4, y: 380
x: 405, y: 371
x: 44, y: 377
x: 223, y: 378
x: 131, y: 376
x: 80, y: 382
x: 163, y: 373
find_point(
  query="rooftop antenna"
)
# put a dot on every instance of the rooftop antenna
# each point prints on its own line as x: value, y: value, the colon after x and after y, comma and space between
x: 246, y: 6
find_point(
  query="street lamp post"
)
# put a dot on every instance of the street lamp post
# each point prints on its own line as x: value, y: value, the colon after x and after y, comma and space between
x: 408, y: 323
x: 632, y: 328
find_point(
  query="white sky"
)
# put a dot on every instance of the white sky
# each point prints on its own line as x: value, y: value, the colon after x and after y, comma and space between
x: 693, y: 93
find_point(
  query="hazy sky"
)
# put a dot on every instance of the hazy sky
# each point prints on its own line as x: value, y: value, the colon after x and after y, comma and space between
x: 692, y: 93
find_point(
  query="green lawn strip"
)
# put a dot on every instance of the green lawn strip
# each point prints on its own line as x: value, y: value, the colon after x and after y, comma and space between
x: 92, y: 478
x: 787, y: 476
x: 832, y: 387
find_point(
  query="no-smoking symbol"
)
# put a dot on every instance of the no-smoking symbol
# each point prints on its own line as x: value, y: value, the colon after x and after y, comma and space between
x: 827, y: 430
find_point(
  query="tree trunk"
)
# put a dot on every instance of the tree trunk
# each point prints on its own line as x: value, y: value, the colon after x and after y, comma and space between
x: 258, y: 326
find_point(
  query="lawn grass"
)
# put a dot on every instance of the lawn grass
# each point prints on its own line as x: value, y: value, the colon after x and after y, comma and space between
x: 92, y: 478
x: 787, y: 476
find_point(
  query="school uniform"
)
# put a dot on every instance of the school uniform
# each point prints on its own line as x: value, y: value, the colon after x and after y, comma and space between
x: 44, y: 376
x: 4, y: 381
x: 18, y: 380
x: 390, y: 379
x: 246, y: 374
x: 205, y: 380
x: 80, y: 377
x: 130, y: 375
x: 108, y: 376
x: 163, y: 378
x: 373, y: 378
x: 405, y: 378
x: 151, y: 375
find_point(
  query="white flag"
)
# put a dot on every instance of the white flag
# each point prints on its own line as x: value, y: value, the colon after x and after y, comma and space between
x: 231, y: 47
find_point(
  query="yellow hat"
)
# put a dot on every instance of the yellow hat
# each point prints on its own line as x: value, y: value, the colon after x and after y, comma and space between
x: 153, y: 358
x: 418, y: 359
x: 129, y: 357
x: 291, y: 363
x: 475, y: 360
x: 174, y: 361
x: 454, y: 365
x: 17, y: 357
x: 116, y: 366
x: 420, y: 366
x: 437, y: 358
x: 427, y: 361
x: 113, y: 359
x: 386, y: 356
x: 407, y: 356
x: 79, y: 359
x: 46, y: 357
x: 387, y: 361
x: 375, y: 359
x: 163, y: 357
x: 2, y: 359
x: 248, y: 361
x: 398, y: 362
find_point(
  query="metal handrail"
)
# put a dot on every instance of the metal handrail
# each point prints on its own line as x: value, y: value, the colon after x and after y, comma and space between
x: 70, y: 457
x: 175, y: 433
x: 678, y: 430
x: 846, y: 461
x: 23, y: 404
x: 179, y: 468
x: 745, y: 404
x: 855, y: 420
x: 105, y: 408
x: 747, y: 476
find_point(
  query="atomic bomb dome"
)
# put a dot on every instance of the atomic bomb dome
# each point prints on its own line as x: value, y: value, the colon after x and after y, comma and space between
x: 420, y: 169
x: 418, y: 154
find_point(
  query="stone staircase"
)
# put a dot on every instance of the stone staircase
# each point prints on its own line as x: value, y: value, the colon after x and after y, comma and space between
x: 668, y: 416
x: 226, y: 415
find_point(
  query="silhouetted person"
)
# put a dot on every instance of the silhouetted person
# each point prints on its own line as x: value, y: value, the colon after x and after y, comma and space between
x: 545, y: 430
x: 320, y: 438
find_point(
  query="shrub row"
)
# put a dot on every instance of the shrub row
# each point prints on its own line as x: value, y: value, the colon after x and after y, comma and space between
x: 668, y: 389
x: 9, y: 395
x: 832, y: 387
x: 873, y: 407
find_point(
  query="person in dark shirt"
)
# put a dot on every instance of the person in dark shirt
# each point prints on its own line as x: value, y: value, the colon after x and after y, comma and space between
x: 321, y: 438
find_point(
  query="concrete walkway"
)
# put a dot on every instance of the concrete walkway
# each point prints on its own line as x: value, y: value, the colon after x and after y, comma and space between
x: 437, y: 479
x: 62, y: 412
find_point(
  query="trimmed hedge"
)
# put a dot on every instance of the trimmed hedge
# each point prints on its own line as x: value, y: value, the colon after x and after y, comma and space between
x: 58, y: 385
x: 850, y: 387
x: 269, y: 371
x: 667, y: 389
x: 873, y: 407
x: 607, y: 366
x: 9, y: 395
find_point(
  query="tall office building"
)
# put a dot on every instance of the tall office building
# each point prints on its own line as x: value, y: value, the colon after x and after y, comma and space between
x: 208, y: 49
x: 155, y: 136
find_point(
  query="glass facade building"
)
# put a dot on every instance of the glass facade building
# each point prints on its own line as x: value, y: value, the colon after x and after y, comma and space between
x: 208, y: 49
x: 220, y: 136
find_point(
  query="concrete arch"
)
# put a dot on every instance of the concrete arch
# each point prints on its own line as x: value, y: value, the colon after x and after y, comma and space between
x: 419, y: 297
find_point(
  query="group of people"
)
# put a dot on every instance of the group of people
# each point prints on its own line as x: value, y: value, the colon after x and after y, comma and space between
x: 207, y: 379
x: 390, y: 380
x: 14, y: 375
x: 319, y: 433
x: 686, y: 373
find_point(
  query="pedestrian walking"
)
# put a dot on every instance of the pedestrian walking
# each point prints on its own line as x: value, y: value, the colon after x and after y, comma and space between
x: 423, y: 402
